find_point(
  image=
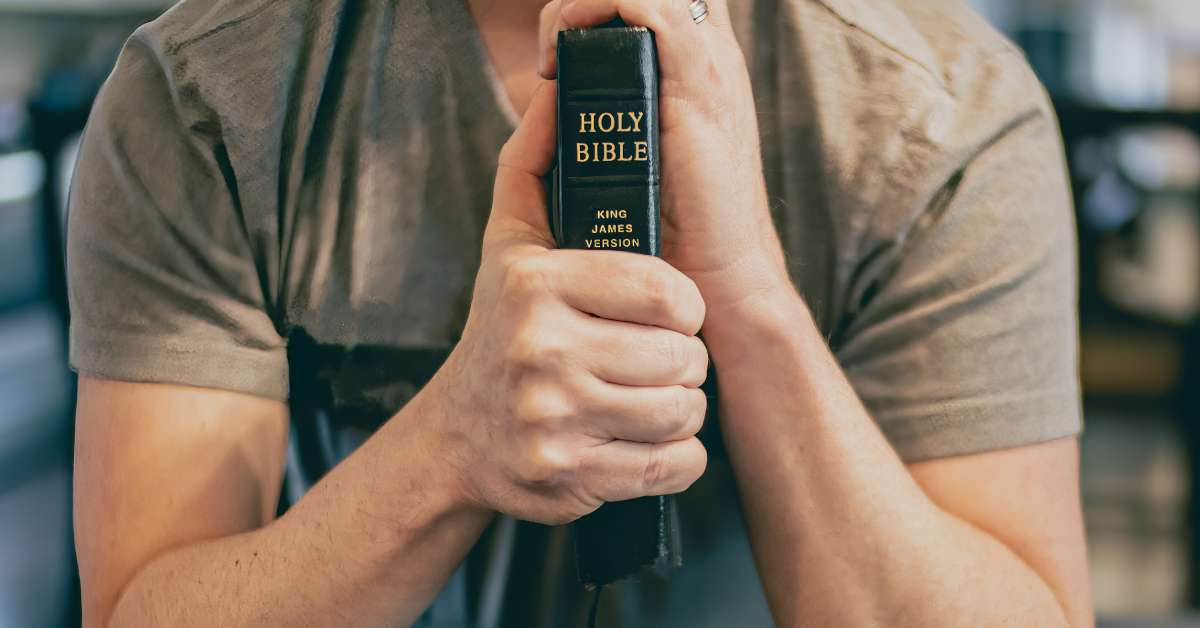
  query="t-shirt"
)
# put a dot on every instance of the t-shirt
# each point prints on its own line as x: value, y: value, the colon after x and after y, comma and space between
x: 286, y: 198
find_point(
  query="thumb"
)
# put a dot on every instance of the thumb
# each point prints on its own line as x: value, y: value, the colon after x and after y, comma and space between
x: 519, y: 200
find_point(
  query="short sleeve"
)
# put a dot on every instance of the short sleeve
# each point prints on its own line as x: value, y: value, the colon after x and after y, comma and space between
x: 969, y: 342
x: 162, y: 274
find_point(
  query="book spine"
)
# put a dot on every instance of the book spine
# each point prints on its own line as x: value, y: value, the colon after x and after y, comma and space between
x: 606, y: 197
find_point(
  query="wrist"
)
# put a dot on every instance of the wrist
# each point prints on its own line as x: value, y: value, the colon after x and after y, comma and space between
x: 743, y: 287
x: 737, y: 332
x: 393, y: 498
x: 434, y: 452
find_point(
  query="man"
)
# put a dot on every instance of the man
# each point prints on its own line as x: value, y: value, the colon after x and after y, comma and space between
x: 277, y: 220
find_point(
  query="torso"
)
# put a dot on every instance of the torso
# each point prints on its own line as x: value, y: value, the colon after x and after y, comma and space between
x: 365, y: 177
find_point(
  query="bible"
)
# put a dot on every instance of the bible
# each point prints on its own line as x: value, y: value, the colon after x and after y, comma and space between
x: 605, y: 196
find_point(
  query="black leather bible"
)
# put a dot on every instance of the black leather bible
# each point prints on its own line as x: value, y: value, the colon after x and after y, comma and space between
x: 606, y: 197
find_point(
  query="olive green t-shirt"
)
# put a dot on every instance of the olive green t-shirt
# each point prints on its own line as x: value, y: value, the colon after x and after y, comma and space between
x: 287, y: 197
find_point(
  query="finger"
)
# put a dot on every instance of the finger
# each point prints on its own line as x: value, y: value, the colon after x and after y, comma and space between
x: 622, y: 470
x: 681, y: 43
x: 586, y: 13
x: 627, y: 287
x: 642, y: 414
x: 718, y: 14
x: 519, y: 198
x: 530, y: 149
x: 638, y: 355
x: 549, y: 25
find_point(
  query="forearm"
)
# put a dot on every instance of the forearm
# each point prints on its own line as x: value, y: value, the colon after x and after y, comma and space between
x: 369, y: 545
x: 842, y: 534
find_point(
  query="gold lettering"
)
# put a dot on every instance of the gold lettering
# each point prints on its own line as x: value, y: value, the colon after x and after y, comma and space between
x: 622, y: 156
x: 602, y: 214
x: 587, y: 123
x: 621, y: 126
x: 641, y: 151
x: 612, y: 243
x: 610, y: 151
x: 606, y: 122
x: 606, y: 117
x: 621, y: 228
x: 637, y: 120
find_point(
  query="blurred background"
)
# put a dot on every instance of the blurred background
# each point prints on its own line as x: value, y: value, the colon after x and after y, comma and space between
x: 1125, y: 78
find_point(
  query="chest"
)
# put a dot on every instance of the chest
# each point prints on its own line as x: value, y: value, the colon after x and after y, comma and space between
x: 375, y: 225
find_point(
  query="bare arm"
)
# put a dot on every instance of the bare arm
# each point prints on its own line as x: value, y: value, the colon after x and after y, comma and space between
x: 175, y: 498
x: 554, y: 401
x: 845, y: 534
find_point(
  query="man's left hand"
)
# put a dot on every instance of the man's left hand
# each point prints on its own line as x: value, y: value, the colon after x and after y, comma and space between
x: 717, y: 227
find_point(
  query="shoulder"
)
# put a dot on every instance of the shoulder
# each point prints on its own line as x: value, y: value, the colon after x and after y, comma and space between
x: 893, y: 58
x: 235, y: 81
x: 190, y: 23
x: 893, y: 100
x: 938, y: 166
x: 935, y: 37
x: 872, y: 112
x: 906, y: 92
x: 218, y: 61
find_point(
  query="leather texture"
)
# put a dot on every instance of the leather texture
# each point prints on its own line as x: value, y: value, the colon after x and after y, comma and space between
x: 607, y: 75
x: 606, y: 196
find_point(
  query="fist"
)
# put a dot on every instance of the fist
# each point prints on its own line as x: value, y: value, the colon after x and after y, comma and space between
x: 717, y: 225
x: 576, y: 381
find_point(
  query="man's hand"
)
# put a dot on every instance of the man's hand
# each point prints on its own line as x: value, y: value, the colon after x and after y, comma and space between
x: 576, y: 381
x: 717, y: 226
x: 837, y: 522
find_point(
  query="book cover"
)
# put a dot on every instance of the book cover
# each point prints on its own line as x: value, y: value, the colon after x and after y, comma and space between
x: 606, y: 197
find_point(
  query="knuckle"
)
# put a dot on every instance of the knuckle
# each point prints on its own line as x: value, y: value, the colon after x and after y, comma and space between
x: 697, y: 410
x: 642, y: 13
x: 681, y: 411
x: 672, y: 296
x: 695, y: 471
x: 535, y: 349
x: 546, y: 463
x: 687, y: 413
x: 656, y: 286
x: 524, y: 276
x: 698, y: 359
x: 542, y: 406
x: 523, y: 351
x: 692, y: 306
x: 670, y: 351
x: 656, y: 468
x: 552, y: 349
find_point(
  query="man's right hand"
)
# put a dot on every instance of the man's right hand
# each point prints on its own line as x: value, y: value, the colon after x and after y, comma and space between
x: 576, y: 381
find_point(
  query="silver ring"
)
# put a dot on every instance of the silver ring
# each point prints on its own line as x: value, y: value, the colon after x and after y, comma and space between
x: 699, y: 10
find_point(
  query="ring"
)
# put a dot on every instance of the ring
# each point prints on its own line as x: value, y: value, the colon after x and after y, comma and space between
x: 699, y: 10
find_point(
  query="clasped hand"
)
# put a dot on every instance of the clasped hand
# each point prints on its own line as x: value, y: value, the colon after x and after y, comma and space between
x: 576, y: 381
